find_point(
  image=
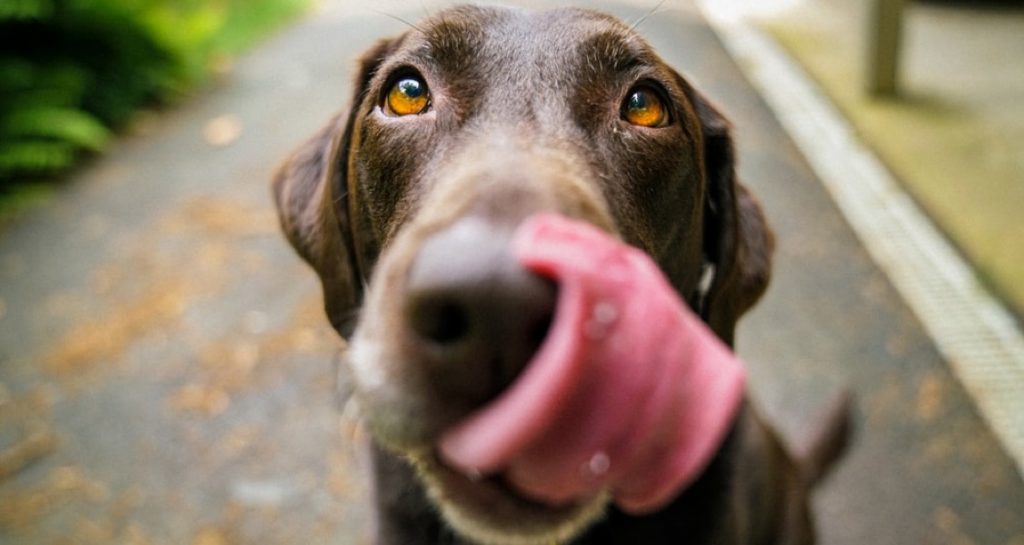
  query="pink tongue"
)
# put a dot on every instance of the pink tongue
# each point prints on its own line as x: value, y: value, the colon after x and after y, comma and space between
x: 630, y: 392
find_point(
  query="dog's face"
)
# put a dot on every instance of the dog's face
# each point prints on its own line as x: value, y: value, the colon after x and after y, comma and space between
x: 461, y: 129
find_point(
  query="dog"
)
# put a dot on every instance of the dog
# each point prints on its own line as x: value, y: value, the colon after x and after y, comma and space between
x: 404, y: 205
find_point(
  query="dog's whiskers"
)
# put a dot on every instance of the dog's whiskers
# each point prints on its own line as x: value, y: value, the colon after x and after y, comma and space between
x: 646, y: 15
x: 397, y: 18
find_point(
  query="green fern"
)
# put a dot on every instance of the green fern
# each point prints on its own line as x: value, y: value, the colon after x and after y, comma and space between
x: 25, y: 9
x: 73, y: 70
x: 70, y: 125
x: 70, y: 70
x: 35, y: 157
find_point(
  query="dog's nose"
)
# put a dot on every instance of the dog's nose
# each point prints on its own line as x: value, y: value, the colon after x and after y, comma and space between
x: 475, y: 315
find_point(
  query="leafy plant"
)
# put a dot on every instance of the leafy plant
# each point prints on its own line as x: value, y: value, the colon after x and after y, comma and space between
x: 68, y: 70
x: 71, y: 71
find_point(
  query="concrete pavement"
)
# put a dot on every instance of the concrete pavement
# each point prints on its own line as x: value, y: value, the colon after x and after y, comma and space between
x: 159, y: 328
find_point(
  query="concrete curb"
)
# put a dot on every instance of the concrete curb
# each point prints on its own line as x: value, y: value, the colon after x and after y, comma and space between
x: 975, y: 333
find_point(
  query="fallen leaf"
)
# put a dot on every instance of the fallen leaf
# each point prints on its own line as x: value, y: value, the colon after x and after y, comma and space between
x: 210, y: 536
x: 222, y: 130
x: 929, y: 397
x: 207, y: 400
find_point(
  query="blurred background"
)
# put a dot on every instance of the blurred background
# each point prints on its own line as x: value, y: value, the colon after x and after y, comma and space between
x: 166, y: 372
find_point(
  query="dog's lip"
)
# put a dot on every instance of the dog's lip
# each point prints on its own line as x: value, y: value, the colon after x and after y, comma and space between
x: 492, y: 488
x: 488, y: 509
x: 497, y: 482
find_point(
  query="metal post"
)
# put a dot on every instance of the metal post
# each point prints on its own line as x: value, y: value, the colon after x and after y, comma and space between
x: 884, y: 38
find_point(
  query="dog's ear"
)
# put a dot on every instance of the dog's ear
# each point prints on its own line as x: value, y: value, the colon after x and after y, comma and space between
x: 738, y: 243
x: 310, y: 190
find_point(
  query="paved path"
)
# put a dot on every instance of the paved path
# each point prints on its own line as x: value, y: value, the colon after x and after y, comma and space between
x: 165, y: 353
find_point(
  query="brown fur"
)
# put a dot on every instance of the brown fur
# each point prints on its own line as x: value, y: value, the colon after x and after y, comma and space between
x: 525, y: 119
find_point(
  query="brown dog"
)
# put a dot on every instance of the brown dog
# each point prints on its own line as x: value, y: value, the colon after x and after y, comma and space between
x: 459, y: 130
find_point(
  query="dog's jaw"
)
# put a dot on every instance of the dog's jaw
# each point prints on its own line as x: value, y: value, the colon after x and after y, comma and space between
x: 480, y: 509
x: 488, y: 513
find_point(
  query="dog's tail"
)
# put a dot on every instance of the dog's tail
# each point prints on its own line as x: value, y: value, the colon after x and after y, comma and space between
x: 825, y: 445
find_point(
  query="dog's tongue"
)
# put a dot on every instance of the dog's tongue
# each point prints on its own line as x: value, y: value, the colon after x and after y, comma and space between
x: 629, y: 392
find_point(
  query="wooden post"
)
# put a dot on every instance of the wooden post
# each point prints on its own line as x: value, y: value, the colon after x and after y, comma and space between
x: 884, y: 38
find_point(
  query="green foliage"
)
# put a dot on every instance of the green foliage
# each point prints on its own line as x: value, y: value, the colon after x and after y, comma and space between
x: 25, y: 9
x: 59, y: 123
x: 73, y: 70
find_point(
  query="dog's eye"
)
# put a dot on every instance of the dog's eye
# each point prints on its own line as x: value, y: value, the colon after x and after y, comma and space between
x: 408, y: 96
x: 644, y: 107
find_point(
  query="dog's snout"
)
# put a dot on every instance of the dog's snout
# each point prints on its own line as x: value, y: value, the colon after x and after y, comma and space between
x: 475, y: 316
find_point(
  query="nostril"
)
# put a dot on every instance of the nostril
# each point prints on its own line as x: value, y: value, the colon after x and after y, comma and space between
x: 441, y: 320
x: 473, y: 317
x: 537, y: 331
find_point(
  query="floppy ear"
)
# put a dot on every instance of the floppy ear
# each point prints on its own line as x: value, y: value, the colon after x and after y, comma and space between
x: 737, y: 240
x: 310, y: 190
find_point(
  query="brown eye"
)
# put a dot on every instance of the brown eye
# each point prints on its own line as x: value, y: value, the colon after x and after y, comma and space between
x: 645, y: 108
x: 408, y: 96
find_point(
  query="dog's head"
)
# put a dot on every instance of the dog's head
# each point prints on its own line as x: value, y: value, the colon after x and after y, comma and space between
x: 458, y: 131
